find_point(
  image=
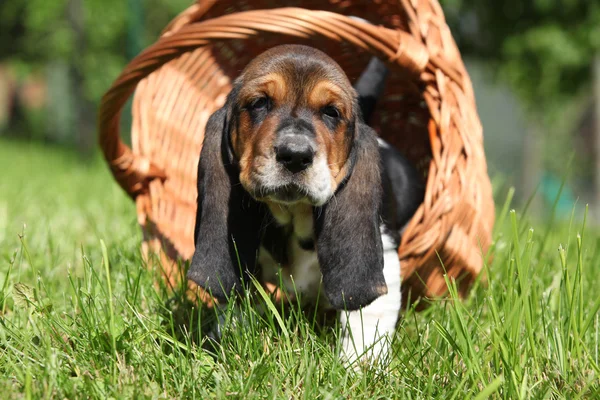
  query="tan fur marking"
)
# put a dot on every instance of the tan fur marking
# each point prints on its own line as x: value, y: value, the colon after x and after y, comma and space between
x: 326, y: 93
x: 337, y: 154
x: 273, y: 85
x: 255, y: 146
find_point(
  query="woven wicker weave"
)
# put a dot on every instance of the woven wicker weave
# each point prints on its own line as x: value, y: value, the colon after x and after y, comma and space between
x: 427, y: 111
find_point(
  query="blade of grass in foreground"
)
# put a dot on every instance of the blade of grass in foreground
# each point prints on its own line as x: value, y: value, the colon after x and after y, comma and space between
x: 267, y: 301
x: 111, y: 309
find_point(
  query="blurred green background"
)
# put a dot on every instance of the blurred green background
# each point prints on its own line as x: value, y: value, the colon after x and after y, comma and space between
x: 535, y: 66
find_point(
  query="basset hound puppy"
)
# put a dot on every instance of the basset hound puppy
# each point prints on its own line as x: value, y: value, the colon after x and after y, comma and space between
x: 295, y: 188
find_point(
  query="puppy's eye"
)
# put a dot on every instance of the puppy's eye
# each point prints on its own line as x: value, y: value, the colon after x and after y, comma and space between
x: 330, y: 111
x: 259, y: 104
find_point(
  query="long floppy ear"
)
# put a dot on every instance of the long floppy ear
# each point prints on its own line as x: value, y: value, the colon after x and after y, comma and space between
x: 349, y: 244
x: 228, y: 220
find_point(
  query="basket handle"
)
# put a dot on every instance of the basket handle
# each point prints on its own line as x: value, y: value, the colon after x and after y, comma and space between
x: 133, y: 172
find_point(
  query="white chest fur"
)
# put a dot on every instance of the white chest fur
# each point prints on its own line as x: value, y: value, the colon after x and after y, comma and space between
x: 302, y: 275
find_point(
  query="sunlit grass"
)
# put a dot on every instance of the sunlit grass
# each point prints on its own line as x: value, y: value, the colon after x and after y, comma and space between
x: 530, y: 329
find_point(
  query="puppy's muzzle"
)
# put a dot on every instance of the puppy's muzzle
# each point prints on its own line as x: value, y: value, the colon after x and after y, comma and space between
x: 295, y: 149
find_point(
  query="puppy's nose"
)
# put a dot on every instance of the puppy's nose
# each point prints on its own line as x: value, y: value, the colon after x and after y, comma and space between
x: 296, y: 154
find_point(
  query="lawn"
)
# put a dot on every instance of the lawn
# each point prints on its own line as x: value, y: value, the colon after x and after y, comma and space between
x: 77, y: 324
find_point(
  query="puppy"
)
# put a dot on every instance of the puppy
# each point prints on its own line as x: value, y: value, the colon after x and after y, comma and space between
x: 294, y: 188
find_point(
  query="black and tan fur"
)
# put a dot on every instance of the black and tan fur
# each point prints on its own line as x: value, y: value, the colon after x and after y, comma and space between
x: 289, y: 167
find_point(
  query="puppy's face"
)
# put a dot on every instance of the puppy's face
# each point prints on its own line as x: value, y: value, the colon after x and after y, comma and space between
x: 292, y: 127
x: 290, y: 133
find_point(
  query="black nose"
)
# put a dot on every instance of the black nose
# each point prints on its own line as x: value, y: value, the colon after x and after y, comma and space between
x: 296, y: 154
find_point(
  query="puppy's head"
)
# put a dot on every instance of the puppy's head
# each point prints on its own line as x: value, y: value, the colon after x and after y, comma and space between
x: 290, y: 132
x: 294, y: 124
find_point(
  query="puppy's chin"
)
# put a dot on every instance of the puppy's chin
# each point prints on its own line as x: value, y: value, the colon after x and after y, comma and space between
x: 294, y: 194
x: 288, y: 194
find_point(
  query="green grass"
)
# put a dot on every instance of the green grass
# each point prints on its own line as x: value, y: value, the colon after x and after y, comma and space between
x: 77, y: 324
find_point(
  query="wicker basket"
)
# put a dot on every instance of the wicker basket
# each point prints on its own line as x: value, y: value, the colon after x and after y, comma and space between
x: 427, y: 111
